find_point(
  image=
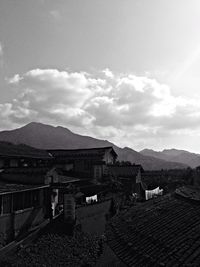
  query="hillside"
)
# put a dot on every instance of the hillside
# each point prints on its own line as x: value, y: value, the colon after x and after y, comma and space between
x: 181, y: 156
x: 48, y: 137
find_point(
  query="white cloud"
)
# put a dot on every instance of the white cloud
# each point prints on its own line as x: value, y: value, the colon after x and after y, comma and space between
x: 51, y: 86
x: 127, y: 108
x: 5, y: 110
x: 15, y: 79
x: 55, y: 14
x: 1, y: 49
x: 108, y: 73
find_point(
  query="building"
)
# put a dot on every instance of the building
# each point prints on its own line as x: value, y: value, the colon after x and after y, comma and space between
x: 162, y: 232
x: 33, y: 183
x: 23, y: 164
x: 130, y: 177
x: 22, y: 207
x: 12, y: 156
x: 25, y: 196
x: 85, y: 163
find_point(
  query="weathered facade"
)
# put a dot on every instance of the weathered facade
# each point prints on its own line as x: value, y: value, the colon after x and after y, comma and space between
x: 33, y: 182
x: 23, y: 164
x: 25, y: 199
x: 22, y: 207
x: 85, y: 163
x: 130, y: 177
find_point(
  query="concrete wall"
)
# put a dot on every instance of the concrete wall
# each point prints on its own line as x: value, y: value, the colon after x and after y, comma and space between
x: 69, y: 207
x: 93, y: 217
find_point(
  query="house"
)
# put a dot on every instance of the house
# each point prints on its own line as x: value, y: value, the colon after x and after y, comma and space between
x: 26, y: 198
x: 130, y: 177
x: 22, y: 207
x: 23, y: 164
x: 164, y: 232
x: 85, y: 163
x: 15, y: 156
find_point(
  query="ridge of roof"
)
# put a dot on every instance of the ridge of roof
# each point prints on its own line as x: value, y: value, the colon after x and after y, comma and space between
x: 78, y: 149
x: 21, y: 150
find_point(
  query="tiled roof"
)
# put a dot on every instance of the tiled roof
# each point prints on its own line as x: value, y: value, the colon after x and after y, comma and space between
x: 25, y: 175
x: 12, y: 188
x: 88, y: 151
x: 67, y: 179
x: 124, y: 171
x: 25, y: 170
x: 163, y: 233
x: 190, y: 193
x: 12, y: 150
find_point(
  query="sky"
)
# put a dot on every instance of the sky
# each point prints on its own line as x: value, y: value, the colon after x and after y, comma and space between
x: 127, y: 71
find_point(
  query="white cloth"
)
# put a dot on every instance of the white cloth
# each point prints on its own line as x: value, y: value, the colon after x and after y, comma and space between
x: 155, y: 192
x: 91, y: 199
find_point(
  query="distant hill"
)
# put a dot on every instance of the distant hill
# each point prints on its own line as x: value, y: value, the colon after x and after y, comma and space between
x: 181, y: 156
x: 44, y: 136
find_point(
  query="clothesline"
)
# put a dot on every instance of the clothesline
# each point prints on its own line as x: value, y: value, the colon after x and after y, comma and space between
x: 151, y: 193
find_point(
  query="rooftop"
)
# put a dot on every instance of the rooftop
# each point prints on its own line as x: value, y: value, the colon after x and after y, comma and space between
x: 6, y: 188
x: 189, y: 192
x: 12, y: 150
x: 25, y: 170
x: 161, y: 233
x: 24, y: 175
x: 96, y: 150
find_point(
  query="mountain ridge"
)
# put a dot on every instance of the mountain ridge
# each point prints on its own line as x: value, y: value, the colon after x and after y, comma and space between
x: 44, y: 136
x: 177, y: 155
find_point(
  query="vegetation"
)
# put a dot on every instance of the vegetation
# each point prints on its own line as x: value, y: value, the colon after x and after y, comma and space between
x: 58, y: 250
x: 169, y: 180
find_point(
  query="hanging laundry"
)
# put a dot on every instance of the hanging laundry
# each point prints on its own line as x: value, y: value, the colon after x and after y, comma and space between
x: 151, y: 193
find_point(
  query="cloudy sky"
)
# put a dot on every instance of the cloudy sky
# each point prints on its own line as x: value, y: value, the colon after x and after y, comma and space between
x: 126, y: 71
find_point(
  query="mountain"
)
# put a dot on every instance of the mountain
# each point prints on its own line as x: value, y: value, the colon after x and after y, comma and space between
x: 44, y: 136
x: 181, y: 156
x: 48, y: 137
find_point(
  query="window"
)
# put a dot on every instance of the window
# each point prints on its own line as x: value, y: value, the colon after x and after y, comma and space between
x: 19, y: 201
x: 27, y: 199
x: 5, y: 204
x: 97, y: 171
x: 87, y: 165
x: 6, y: 163
x: 35, y: 198
x: 24, y: 200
